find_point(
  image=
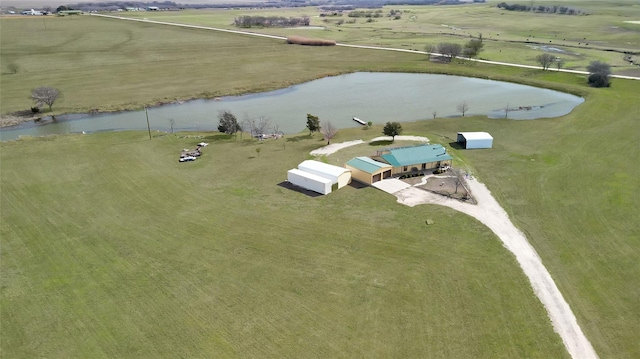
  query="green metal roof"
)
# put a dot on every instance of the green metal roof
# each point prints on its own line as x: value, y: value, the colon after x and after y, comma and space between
x: 366, y: 164
x: 406, y: 156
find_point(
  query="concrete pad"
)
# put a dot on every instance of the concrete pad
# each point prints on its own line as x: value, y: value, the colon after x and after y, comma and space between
x: 391, y: 185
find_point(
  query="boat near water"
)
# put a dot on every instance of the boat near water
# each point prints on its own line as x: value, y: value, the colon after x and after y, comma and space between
x: 359, y: 121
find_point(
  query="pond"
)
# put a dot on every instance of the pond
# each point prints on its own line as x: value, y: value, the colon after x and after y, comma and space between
x: 376, y: 97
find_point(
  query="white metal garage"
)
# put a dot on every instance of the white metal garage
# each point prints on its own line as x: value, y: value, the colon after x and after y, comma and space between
x: 471, y: 140
x: 338, y: 175
x: 309, y: 181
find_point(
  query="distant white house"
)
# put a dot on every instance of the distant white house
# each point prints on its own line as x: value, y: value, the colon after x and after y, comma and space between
x: 470, y: 140
x: 153, y: 8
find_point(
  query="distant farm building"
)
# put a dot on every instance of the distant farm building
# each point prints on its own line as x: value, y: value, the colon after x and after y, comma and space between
x: 471, y: 140
x: 414, y: 159
x: 319, y: 176
x: 367, y: 170
x: 69, y: 12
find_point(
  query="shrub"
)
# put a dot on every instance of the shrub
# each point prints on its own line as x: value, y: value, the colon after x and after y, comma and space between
x: 599, y: 79
x: 35, y: 109
x: 300, y: 40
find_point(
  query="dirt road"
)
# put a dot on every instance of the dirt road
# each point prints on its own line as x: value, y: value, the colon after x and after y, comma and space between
x: 491, y: 214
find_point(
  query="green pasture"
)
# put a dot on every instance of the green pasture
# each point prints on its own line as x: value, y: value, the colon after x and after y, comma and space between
x: 511, y: 35
x: 111, y: 248
x: 111, y: 64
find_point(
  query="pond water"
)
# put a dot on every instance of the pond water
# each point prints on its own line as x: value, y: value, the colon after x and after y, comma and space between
x: 376, y: 97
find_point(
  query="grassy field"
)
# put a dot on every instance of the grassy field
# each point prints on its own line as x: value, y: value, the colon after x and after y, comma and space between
x: 111, y: 65
x: 148, y: 257
x: 112, y: 248
x: 516, y: 37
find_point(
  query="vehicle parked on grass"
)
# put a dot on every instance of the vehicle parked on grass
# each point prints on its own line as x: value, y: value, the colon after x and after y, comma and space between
x: 187, y: 158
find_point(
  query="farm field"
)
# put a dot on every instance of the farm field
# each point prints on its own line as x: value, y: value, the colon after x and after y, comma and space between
x: 110, y: 247
x: 517, y: 37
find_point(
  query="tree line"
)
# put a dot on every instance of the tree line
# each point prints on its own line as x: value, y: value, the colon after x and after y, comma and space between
x: 562, y: 10
x: 449, y: 51
x: 246, y: 21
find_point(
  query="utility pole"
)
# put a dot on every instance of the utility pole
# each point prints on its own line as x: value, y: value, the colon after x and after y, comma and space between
x: 148, y: 127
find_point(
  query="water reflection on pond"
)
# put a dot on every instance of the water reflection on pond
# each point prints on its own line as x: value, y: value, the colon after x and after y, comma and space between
x: 376, y: 97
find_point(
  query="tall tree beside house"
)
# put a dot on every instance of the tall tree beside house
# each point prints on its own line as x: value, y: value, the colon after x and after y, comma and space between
x: 392, y: 129
x: 313, y: 123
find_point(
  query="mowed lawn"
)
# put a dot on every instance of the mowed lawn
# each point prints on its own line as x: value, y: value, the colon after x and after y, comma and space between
x: 111, y: 248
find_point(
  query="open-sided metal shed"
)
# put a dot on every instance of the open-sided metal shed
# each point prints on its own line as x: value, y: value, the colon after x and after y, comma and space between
x: 471, y: 140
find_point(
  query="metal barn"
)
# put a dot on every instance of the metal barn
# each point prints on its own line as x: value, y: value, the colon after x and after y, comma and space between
x: 470, y: 140
x: 309, y: 181
x: 338, y: 175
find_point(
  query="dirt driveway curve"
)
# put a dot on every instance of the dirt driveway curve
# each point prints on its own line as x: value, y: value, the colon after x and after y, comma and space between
x: 491, y: 214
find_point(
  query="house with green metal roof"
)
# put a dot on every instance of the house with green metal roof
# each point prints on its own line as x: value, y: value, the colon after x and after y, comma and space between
x: 367, y: 170
x: 414, y: 159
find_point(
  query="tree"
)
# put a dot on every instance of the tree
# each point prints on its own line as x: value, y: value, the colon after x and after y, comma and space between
x: 430, y: 49
x: 228, y: 123
x: 392, y: 129
x: 545, y: 60
x: 256, y: 126
x: 473, y: 47
x: 559, y: 63
x: 45, y: 95
x: 313, y: 123
x: 599, y: 74
x: 598, y: 79
x: 249, y: 124
x: 13, y: 68
x: 449, y: 50
x: 463, y: 107
x: 599, y: 67
x: 328, y: 131
x: 262, y: 124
